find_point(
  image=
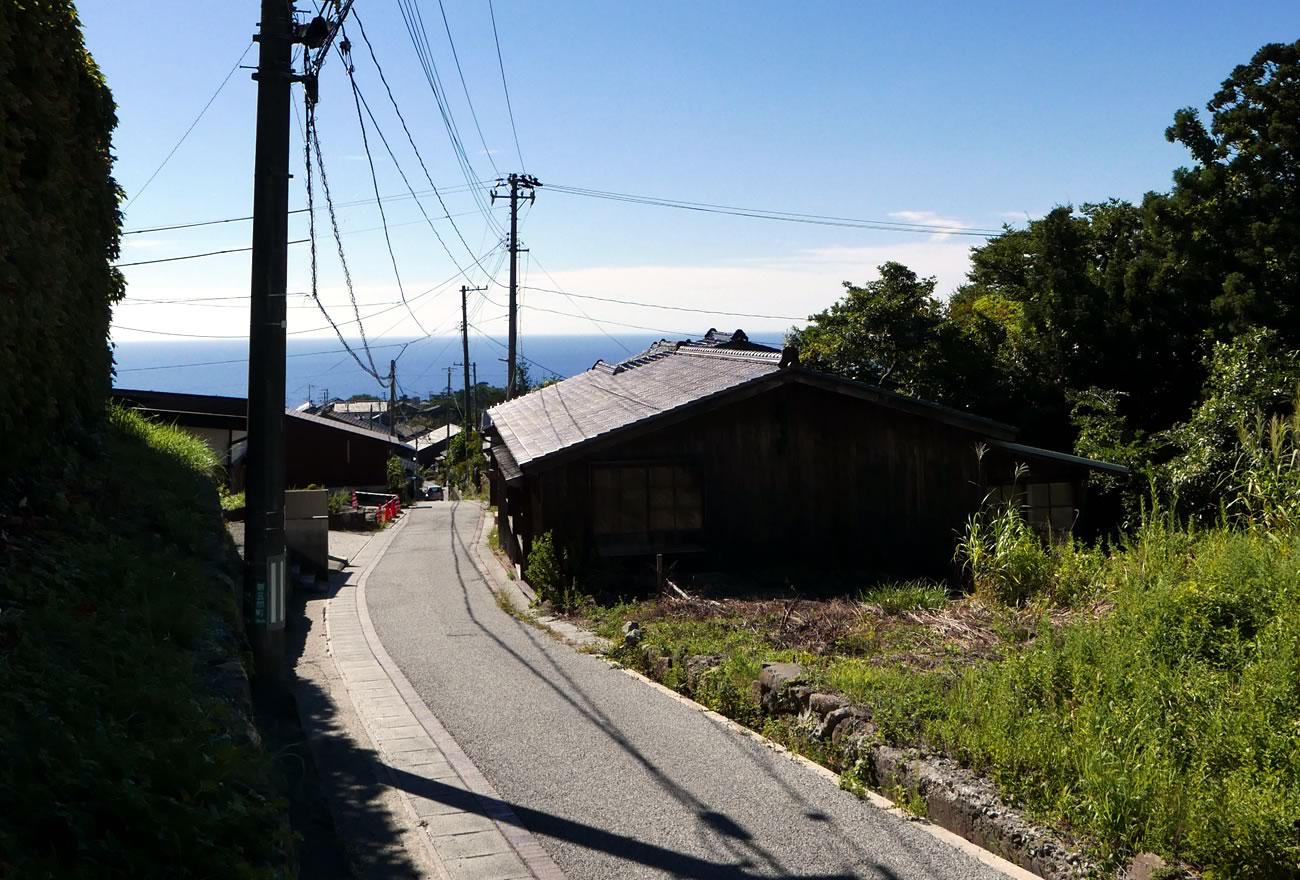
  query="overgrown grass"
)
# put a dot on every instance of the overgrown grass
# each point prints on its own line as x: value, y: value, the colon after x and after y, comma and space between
x: 893, y: 598
x: 1162, y: 715
x: 117, y: 762
x: 1171, y: 724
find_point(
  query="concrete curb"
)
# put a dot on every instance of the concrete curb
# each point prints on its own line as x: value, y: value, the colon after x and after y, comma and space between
x: 494, y: 575
x: 487, y: 843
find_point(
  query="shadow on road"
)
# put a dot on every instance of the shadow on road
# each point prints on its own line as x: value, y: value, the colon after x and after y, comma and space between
x: 716, y: 830
x: 356, y: 838
x: 676, y: 863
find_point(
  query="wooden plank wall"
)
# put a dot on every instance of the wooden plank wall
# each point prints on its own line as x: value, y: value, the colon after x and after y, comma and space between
x: 801, y: 474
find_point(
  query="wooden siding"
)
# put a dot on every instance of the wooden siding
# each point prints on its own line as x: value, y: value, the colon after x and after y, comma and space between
x: 796, y: 474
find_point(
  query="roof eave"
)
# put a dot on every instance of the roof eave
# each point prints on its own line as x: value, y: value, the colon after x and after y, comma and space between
x: 1063, y: 457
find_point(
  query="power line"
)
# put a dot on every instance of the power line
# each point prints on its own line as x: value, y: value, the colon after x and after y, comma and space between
x: 390, y: 198
x: 506, y: 88
x: 415, y: 29
x: 465, y: 87
x: 194, y: 256
x: 181, y: 335
x: 367, y: 317
x: 238, y: 360
x: 310, y: 138
x: 419, y: 158
x: 579, y: 307
x: 500, y: 344
x: 374, y: 179
x: 615, y: 339
x: 646, y: 305
x: 313, y: 146
x: 173, y: 150
x: 786, y: 216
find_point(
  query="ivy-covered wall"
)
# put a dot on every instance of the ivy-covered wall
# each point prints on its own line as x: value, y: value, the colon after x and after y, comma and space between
x: 59, y: 229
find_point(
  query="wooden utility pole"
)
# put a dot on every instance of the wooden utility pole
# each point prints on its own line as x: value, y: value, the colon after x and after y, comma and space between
x: 515, y: 182
x: 392, y: 397
x: 464, y: 341
x: 264, y: 550
x: 446, y: 447
x: 264, y: 553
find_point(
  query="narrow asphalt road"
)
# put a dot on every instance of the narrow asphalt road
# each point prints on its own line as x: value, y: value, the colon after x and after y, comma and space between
x: 615, y: 779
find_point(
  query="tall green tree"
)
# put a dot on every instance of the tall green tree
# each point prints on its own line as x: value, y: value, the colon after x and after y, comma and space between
x: 884, y: 332
x: 1233, y: 217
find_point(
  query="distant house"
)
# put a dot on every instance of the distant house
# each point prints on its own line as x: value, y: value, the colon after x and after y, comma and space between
x: 321, y: 451
x: 732, y: 453
x: 430, y: 445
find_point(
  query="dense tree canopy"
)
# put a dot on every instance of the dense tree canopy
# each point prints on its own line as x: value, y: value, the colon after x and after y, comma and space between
x: 1115, y: 327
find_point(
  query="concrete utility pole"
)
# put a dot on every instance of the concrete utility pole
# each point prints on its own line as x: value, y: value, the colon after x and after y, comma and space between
x: 516, y: 182
x: 464, y: 341
x: 474, y: 392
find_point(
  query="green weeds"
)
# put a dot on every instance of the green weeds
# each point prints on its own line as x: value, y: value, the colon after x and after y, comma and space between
x: 1145, y: 695
x: 339, y: 501
x: 895, y: 598
x: 1168, y: 724
x: 117, y: 760
x: 231, y: 501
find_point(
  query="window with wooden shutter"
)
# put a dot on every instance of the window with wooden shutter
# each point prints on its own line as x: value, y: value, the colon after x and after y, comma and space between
x: 645, y: 507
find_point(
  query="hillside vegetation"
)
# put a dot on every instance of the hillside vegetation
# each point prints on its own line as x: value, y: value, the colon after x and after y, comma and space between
x: 120, y: 760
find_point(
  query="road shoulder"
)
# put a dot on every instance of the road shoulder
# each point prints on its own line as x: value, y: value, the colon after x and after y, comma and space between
x: 448, y: 817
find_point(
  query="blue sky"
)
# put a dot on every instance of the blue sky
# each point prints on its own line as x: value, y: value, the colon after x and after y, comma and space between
x: 974, y: 115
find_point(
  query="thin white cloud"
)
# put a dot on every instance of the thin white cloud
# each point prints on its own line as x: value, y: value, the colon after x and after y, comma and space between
x: 930, y: 218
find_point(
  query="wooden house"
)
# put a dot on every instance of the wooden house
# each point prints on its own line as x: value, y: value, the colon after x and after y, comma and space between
x: 731, y: 452
x: 318, y: 450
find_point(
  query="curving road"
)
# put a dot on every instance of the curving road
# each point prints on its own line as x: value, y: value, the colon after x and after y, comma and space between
x: 615, y: 779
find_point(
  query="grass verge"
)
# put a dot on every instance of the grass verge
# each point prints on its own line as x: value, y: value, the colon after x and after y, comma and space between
x: 118, y: 761
x: 1161, y: 713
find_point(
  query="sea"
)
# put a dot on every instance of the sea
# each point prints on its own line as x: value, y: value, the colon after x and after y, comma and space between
x: 319, y: 368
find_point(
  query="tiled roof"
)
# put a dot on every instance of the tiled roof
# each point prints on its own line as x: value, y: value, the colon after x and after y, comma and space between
x: 359, y: 407
x: 664, y: 377
x: 344, y: 425
x: 436, y: 435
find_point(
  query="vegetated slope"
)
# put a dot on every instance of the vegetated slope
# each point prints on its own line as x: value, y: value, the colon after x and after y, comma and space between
x: 1171, y: 723
x: 119, y: 761
x: 1147, y: 697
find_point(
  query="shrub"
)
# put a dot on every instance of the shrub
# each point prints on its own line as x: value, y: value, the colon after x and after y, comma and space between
x: 339, y: 501
x: 545, y: 571
x: 231, y: 501
x: 396, y: 473
x: 1249, y: 375
x: 728, y: 688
